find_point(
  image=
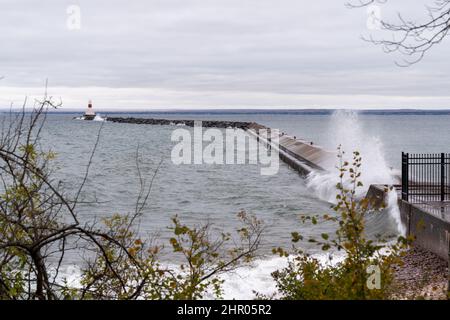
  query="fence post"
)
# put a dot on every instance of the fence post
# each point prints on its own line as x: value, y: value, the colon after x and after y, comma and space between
x: 405, y: 176
x: 442, y: 176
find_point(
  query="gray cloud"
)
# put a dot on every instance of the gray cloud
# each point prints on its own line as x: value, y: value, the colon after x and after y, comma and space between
x: 241, y: 48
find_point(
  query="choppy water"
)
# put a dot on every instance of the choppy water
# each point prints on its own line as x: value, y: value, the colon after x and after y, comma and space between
x: 216, y: 193
x: 196, y: 193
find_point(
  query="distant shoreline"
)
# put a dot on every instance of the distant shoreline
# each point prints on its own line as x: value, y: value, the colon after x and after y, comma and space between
x: 256, y: 111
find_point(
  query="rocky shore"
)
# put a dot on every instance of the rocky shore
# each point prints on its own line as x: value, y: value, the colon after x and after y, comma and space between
x: 422, y: 276
x: 189, y: 123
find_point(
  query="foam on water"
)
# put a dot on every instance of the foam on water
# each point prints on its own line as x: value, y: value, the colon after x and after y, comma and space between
x: 98, y: 117
x: 241, y: 284
x: 245, y: 282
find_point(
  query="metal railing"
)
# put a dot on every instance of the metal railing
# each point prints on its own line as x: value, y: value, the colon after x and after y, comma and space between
x: 425, y: 177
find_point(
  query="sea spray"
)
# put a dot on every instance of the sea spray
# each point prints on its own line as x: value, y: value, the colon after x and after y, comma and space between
x: 346, y: 131
x: 394, y: 211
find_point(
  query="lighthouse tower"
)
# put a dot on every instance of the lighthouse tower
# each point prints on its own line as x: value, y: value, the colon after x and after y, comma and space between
x: 89, y: 114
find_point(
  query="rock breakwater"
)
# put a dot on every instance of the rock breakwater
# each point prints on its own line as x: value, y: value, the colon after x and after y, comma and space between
x: 189, y: 123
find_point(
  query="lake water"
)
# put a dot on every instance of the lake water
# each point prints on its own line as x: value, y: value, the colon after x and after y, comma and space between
x: 216, y: 193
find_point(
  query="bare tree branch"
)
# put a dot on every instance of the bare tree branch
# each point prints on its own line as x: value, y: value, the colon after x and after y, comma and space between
x: 412, y: 39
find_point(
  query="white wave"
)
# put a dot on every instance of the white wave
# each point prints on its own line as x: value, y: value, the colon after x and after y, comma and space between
x: 346, y: 131
x: 240, y: 284
x: 394, y: 211
x: 244, y: 282
x: 98, y: 117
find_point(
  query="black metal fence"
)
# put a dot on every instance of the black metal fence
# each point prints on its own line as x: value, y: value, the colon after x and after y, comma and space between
x: 425, y: 177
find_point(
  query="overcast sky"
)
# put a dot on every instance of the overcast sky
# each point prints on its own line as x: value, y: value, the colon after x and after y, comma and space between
x: 156, y: 54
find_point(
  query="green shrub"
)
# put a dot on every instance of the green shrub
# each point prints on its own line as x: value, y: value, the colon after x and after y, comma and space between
x: 366, y: 271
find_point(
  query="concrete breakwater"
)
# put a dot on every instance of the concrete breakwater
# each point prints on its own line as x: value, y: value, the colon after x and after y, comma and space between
x: 299, y: 154
x: 427, y: 223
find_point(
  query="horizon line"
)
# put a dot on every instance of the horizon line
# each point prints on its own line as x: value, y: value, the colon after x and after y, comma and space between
x: 235, y: 110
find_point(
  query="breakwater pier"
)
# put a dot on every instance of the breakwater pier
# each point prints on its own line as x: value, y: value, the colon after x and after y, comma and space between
x: 301, y: 155
x: 189, y: 123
